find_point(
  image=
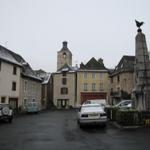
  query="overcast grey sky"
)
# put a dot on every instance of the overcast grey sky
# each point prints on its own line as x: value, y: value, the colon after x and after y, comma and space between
x: 35, y: 29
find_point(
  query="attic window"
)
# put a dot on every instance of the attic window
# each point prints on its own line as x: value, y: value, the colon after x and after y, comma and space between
x: 116, y: 68
x: 121, y: 65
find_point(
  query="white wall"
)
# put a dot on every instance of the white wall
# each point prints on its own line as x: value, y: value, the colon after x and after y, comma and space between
x: 6, y: 79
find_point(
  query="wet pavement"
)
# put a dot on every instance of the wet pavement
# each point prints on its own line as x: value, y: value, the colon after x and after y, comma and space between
x: 58, y: 130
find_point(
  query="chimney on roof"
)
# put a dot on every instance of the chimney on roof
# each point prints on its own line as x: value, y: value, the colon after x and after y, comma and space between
x: 100, y: 60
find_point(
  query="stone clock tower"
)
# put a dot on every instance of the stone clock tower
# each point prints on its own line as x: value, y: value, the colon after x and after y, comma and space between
x: 64, y: 56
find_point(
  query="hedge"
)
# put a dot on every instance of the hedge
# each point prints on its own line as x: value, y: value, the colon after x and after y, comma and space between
x: 128, y: 117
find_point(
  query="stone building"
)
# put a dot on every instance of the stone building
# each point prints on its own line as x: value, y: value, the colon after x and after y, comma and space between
x: 64, y: 80
x: 64, y: 87
x: 122, y: 80
x: 64, y: 56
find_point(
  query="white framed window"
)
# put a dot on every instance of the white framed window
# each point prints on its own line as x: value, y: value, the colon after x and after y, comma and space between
x: 93, y: 75
x: 14, y: 85
x: 101, y: 87
x: 85, y: 75
x: 3, y: 99
x: 85, y: 86
x: 93, y: 86
x: 101, y: 76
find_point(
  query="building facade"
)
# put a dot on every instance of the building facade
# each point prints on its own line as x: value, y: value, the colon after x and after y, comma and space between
x: 92, y: 81
x: 18, y: 82
x: 64, y: 87
x: 47, y: 89
x: 122, y: 80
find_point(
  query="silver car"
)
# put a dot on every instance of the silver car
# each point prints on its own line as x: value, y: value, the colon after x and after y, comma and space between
x: 92, y: 114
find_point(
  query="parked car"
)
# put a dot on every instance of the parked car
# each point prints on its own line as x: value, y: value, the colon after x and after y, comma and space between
x: 92, y: 114
x: 101, y: 102
x: 124, y: 104
x: 6, y: 112
x: 32, y: 107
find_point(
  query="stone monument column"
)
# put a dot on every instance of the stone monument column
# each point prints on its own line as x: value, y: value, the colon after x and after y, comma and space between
x: 141, y: 90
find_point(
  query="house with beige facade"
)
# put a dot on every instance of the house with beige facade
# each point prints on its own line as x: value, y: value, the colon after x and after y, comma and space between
x: 92, y: 81
x: 18, y: 82
x: 64, y: 87
x: 122, y: 80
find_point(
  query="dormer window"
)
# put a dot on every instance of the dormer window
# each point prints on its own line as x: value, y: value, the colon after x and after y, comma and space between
x: 121, y: 65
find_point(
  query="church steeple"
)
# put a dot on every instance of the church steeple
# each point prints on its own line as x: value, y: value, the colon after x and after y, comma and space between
x: 64, y: 56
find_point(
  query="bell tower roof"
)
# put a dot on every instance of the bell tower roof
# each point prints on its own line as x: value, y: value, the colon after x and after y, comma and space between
x: 65, y: 46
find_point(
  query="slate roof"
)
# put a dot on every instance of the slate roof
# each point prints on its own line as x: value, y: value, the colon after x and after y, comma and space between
x: 13, y: 58
x: 8, y: 56
x: 45, y: 76
x: 93, y: 64
x: 68, y: 68
x: 126, y: 64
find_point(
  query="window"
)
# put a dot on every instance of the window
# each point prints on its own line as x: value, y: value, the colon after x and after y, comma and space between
x: 64, y: 73
x: 111, y: 79
x: 64, y: 81
x: 13, y: 86
x: 85, y: 75
x: 93, y: 75
x: 118, y: 78
x: 64, y: 90
x: 101, y: 76
x: 93, y: 86
x: 85, y: 86
x: 0, y: 65
x: 3, y: 99
x: 101, y: 87
x: 25, y: 86
x: 25, y: 102
x: 14, y: 70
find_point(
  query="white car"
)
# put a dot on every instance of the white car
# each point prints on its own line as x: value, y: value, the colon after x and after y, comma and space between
x: 92, y: 114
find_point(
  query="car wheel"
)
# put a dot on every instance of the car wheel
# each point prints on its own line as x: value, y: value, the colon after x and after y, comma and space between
x: 5, y: 111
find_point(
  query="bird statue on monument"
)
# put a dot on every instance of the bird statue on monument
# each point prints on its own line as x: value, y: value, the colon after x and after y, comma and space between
x: 139, y: 24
